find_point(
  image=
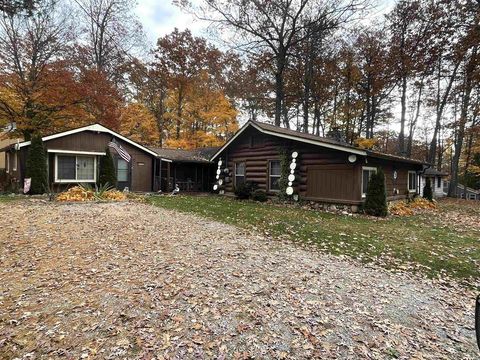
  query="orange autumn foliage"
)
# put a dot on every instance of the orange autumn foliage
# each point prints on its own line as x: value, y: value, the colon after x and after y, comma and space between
x: 138, y: 124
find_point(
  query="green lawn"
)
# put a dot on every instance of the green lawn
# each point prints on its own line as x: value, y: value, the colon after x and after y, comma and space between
x: 430, y: 242
x: 7, y: 198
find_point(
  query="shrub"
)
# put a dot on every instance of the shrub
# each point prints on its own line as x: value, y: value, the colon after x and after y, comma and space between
x: 376, y: 201
x: 107, y: 170
x: 244, y: 191
x: 36, y: 167
x: 427, y: 190
x: 259, y: 195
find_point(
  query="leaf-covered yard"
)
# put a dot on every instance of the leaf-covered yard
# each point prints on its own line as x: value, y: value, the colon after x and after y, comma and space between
x: 129, y: 280
x: 437, y: 242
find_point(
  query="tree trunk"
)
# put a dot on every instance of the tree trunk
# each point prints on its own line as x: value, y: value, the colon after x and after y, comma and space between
x: 279, y: 88
x: 469, y: 71
x: 401, y: 136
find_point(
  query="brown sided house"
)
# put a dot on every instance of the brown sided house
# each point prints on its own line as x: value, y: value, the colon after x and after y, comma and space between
x: 73, y: 157
x: 325, y: 170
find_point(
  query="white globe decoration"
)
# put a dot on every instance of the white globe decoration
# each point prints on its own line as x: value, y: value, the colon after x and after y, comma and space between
x: 291, y: 177
x: 292, y: 172
x: 294, y: 155
x: 294, y: 160
x: 217, y: 177
x: 395, y: 174
x: 352, y: 158
x: 218, y: 172
x: 289, y: 190
x: 225, y: 170
x: 215, y: 187
x: 220, y: 182
x: 290, y: 183
x: 293, y: 166
x: 220, y: 163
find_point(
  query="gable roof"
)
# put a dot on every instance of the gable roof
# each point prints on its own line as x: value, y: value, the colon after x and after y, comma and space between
x: 198, y: 155
x: 434, y: 172
x: 96, y: 128
x: 312, y: 139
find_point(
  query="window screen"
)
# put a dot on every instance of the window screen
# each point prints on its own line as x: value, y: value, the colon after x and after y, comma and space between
x: 366, y: 175
x: 239, y: 173
x: 275, y: 172
x: 122, y: 170
x: 85, y: 168
x: 66, y: 167
x: 412, y: 181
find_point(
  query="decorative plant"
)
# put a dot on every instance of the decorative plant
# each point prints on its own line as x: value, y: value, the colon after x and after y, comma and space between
x: 427, y: 190
x: 107, y: 170
x: 259, y: 195
x: 245, y: 190
x: 376, y: 201
x: 36, y: 167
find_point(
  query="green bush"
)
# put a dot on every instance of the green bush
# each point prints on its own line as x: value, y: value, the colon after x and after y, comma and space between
x: 107, y: 170
x: 36, y: 167
x: 427, y: 190
x: 376, y: 201
x: 244, y: 191
x: 259, y: 195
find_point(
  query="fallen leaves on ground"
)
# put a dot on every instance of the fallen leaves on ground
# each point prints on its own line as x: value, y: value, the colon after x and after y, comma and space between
x: 128, y: 280
x: 79, y: 193
x: 408, y: 208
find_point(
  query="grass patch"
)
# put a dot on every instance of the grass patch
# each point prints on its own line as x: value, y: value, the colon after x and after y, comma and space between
x: 421, y: 242
x: 7, y: 198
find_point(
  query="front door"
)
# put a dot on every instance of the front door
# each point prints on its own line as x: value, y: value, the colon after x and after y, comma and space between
x: 123, y: 174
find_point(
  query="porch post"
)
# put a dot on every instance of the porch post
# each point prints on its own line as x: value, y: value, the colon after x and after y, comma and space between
x: 168, y: 177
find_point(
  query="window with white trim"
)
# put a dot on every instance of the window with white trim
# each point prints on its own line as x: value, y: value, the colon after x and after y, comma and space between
x: 472, y: 196
x: 122, y: 170
x: 239, y: 173
x: 71, y: 168
x: 412, y: 181
x: 367, y: 173
x: 274, y: 173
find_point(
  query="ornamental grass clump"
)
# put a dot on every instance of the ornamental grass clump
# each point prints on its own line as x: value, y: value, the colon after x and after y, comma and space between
x: 376, y: 200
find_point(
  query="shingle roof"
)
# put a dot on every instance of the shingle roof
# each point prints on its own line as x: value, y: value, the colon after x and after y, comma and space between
x: 301, y: 135
x: 199, y: 155
x: 434, y: 172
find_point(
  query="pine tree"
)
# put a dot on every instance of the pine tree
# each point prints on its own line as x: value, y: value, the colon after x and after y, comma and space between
x: 107, y: 170
x: 376, y: 201
x: 427, y: 190
x: 37, y: 166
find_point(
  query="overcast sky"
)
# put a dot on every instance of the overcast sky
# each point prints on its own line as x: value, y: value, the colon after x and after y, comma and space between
x: 160, y: 17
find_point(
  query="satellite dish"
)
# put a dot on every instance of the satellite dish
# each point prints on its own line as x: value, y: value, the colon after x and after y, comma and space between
x: 220, y: 182
x: 352, y: 158
x: 215, y: 187
x: 289, y: 190
x: 293, y: 166
x: 294, y: 155
x: 291, y: 177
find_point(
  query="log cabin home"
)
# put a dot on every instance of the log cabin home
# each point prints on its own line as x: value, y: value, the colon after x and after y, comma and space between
x: 73, y: 157
x: 323, y: 169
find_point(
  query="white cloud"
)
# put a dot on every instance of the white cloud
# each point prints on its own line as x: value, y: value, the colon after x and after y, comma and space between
x: 161, y: 17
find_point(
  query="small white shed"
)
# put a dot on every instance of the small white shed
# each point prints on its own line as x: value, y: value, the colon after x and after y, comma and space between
x: 437, y: 179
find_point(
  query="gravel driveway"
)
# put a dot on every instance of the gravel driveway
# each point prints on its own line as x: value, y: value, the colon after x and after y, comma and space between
x: 128, y: 280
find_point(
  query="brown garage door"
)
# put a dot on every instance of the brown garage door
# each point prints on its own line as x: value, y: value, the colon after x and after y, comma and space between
x: 332, y: 182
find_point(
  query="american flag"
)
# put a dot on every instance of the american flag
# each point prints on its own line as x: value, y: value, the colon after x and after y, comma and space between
x: 120, y: 150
